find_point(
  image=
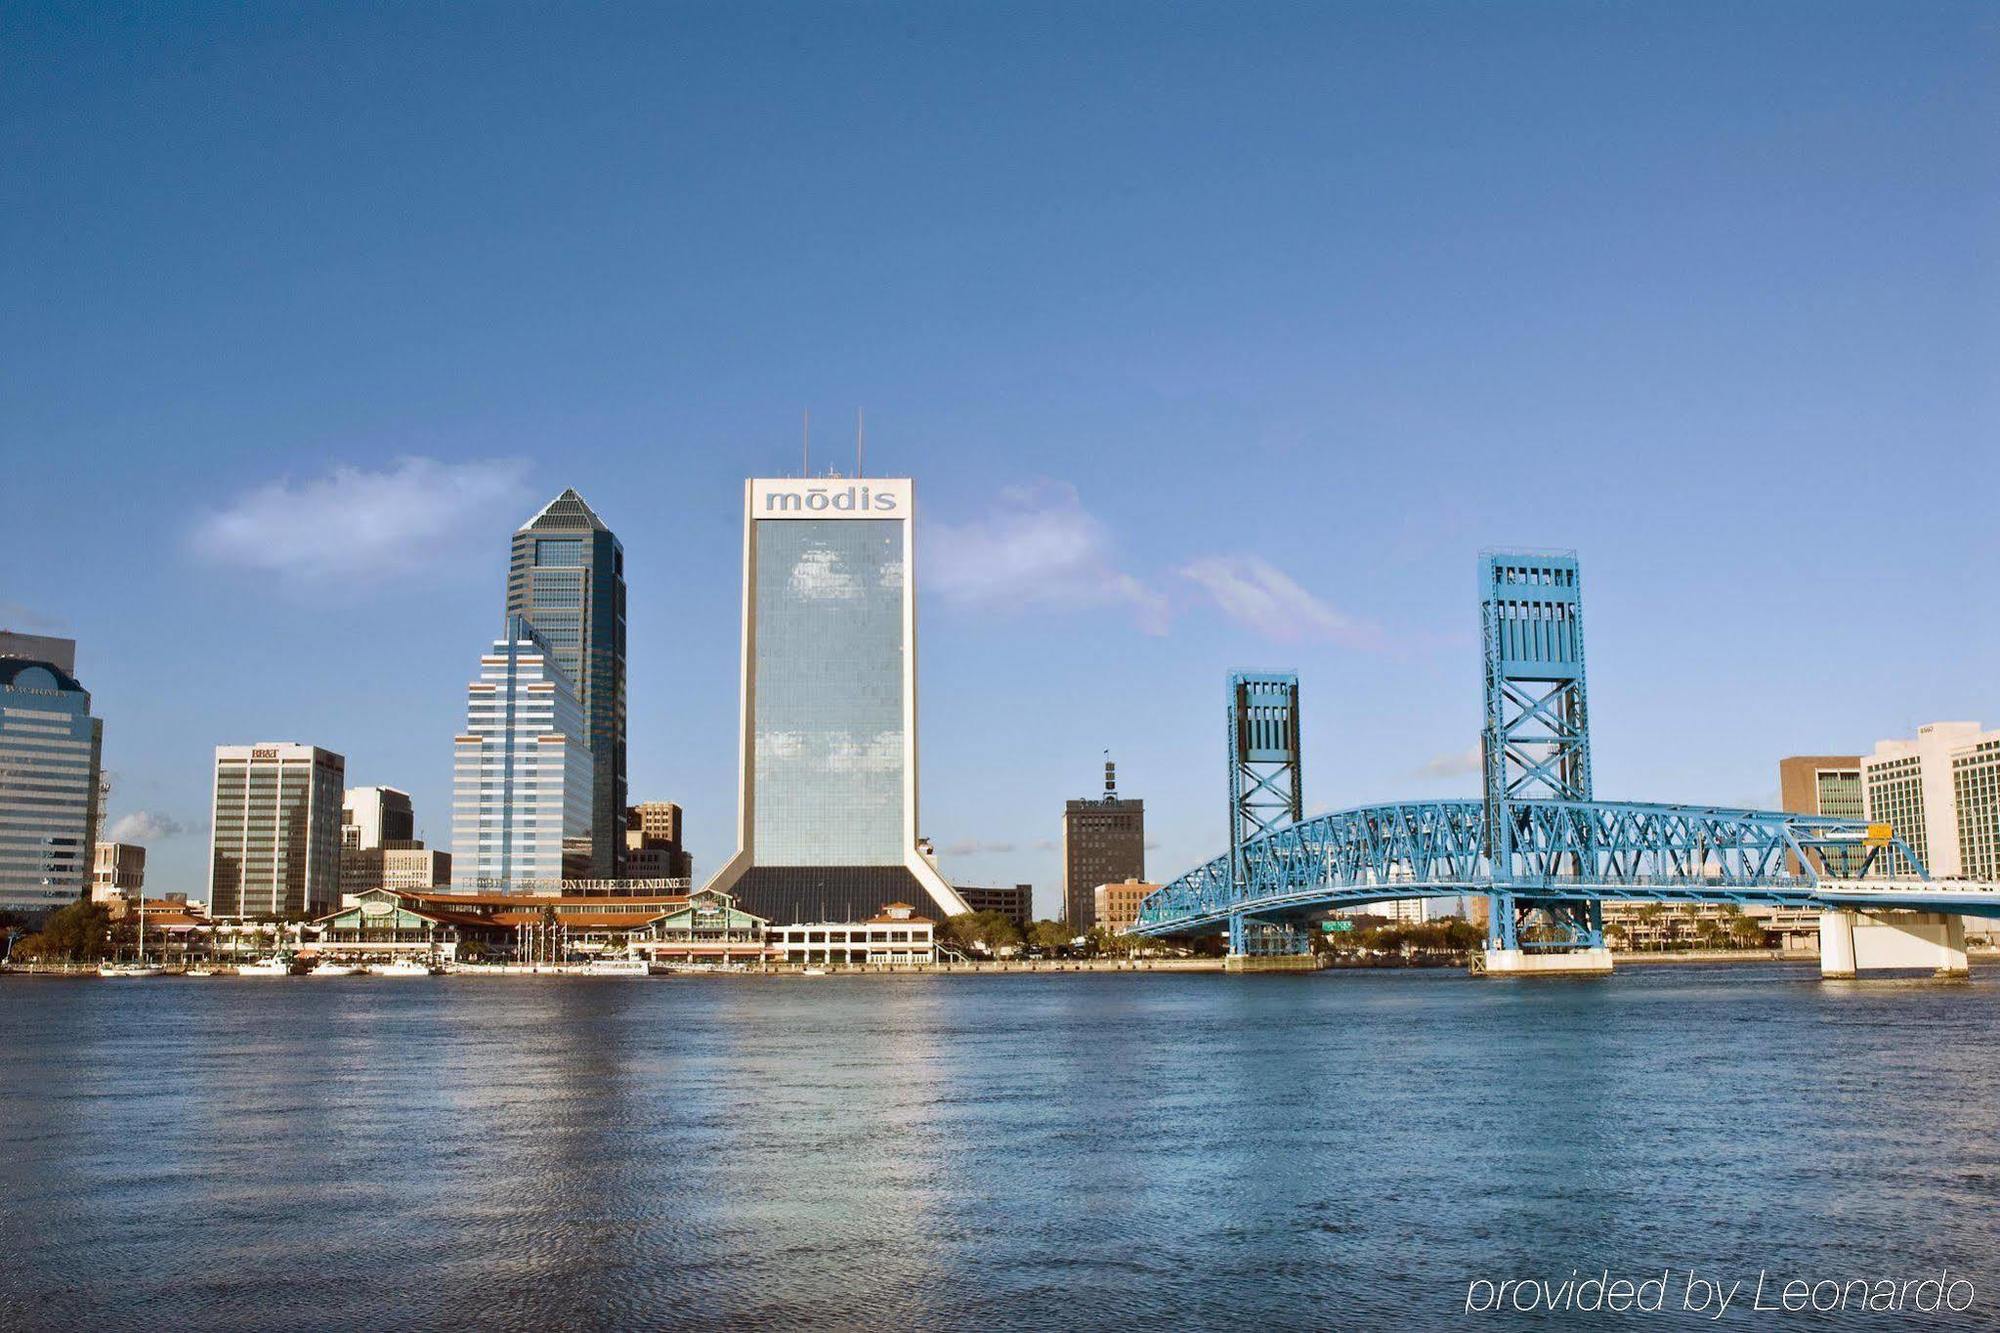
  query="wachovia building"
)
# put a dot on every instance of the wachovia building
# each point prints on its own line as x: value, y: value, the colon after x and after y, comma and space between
x: 827, y: 811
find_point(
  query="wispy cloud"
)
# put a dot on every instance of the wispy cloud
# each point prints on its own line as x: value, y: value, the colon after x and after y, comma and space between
x: 1037, y: 547
x: 144, y: 826
x: 975, y: 847
x: 1253, y: 592
x: 357, y: 524
x: 1451, y: 765
x: 26, y: 619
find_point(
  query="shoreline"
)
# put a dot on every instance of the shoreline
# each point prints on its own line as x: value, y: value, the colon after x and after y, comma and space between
x: 1698, y: 957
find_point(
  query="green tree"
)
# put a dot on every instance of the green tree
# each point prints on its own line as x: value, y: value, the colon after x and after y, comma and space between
x: 74, y: 934
x: 1049, y: 935
x: 1748, y: 932
x: 1463, y: 936
x: 982, y: 932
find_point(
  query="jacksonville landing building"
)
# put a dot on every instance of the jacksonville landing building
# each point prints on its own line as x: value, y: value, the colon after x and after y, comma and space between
x: 827, y: 813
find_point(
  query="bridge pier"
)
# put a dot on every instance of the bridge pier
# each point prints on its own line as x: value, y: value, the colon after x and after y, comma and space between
x: 1852, y: 942
x: 1590, y: 962
x: 1267, y: 946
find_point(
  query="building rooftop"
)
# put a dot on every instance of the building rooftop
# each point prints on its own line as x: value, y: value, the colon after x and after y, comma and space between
x: 567, y: 512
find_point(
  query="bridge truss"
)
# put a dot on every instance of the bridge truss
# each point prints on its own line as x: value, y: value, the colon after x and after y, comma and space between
x: 1561, y: 853
x: 1537, y: 842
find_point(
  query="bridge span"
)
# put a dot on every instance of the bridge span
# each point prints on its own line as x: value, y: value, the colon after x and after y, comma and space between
x: 1536, y: 845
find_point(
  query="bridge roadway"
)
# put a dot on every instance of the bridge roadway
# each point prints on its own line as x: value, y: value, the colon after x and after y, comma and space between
x: 1577, y: 851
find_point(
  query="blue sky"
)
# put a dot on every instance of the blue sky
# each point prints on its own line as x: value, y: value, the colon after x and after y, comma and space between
x: 1217, y: 337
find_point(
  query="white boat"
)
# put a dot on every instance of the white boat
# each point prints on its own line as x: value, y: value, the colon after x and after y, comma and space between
x: 203, y: 971
x: 266, y: 967
x: 333, y: 969
x: 813, y: 972
x: 127, y: 970
x: 616, y: 967
x: 405, y: 967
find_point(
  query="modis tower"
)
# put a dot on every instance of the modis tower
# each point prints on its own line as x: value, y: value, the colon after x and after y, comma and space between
x: 827, y: 816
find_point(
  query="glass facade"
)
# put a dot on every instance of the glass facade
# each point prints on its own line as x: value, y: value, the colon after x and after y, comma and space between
x: 567, y: 579
x: 50, y: 747
x: 827, y: 825
x: 829, y: 693
x: 522, y: 775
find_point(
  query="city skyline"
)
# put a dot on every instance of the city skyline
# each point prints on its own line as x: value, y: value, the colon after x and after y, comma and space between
x: 1161, y: 438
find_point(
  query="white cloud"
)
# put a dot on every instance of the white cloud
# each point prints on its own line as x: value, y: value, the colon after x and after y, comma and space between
x: 1254, y: 592
x: 1037, y: 547
x: 1452, y: 765
x: 144, y: 826
x: 357, y: 524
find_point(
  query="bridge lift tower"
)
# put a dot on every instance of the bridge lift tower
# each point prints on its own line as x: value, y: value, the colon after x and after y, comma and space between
x: 1265, y: 793
x: 1535, y: 745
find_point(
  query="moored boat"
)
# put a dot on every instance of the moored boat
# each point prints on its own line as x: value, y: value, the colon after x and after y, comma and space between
x: 266, y: 967
x: 129, y: 970
x: 405, y: 967
x: 329, y: 968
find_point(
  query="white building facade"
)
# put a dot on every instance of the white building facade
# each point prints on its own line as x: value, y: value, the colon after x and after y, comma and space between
x: 1915, y: 787
x: 521, y: 770
x: 827, y: 806
x: 376, y: 817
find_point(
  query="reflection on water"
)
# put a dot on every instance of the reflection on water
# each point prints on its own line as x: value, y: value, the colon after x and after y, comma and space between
x: 1015, y: 1151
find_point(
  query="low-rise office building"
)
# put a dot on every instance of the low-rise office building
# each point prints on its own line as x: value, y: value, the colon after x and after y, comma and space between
x: 895, y: 936
x: 1118, y: 904
x: 395, y: 865
x: 118, y: 871
x: 653, y: 847
x: 1630, y: 925
x: 1016, y: 904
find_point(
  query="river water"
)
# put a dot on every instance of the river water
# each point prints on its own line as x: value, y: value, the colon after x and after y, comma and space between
x: 1349, y: 1149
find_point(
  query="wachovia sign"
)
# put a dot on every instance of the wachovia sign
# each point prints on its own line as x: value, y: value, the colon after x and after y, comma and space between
x: 830, y: 497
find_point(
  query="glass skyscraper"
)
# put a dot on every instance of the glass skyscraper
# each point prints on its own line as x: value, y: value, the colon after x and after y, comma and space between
x: 521, y: 780
x: 827, y: 817
x: 567, y: 579
x: 50, y: 754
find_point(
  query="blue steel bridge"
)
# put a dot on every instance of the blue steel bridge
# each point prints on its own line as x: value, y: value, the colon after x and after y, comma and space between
x: 1536, y: 843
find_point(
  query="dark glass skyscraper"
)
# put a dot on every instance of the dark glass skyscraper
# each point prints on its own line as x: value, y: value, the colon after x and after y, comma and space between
x: 567, y: 579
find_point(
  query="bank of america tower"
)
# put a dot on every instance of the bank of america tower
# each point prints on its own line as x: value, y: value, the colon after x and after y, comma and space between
x: 827, y: 808
x: 567, y: 579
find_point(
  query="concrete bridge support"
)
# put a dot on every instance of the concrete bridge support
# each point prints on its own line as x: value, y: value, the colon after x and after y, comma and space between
x: 1267, y: 946
x: 1590, y: 962
x: 1852, y: 943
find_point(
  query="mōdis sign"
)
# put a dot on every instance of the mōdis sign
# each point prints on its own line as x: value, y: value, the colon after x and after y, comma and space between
x: 874, y: 497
